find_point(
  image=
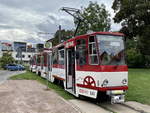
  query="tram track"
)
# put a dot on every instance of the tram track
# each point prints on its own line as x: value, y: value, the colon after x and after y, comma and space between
x: 140, y: 111
x: 120, y: 108
x: 105, y: 107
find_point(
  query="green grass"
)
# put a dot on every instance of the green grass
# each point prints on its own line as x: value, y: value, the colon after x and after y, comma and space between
x: 139, y: 85
x: 32, y: 76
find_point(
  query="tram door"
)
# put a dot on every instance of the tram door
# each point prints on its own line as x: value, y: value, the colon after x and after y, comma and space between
x: 70, y: 73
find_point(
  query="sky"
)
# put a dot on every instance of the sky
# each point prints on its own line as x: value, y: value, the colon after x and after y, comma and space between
x: 25, y: 20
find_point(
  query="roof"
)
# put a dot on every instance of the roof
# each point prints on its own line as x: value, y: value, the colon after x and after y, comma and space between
x: 100, y: 33
x: 86, y: 36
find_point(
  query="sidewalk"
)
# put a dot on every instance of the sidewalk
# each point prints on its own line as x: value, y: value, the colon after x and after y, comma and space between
x: 26, y: 96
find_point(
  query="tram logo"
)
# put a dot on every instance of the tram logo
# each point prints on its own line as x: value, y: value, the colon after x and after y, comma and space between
x: 89, y: 81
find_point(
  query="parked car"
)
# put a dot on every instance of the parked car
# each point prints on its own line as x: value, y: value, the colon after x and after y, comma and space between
x: 21, y: 67
x: 14, y: 67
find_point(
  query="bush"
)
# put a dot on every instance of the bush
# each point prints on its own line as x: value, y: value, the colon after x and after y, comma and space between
x: 6, y: 59
x: 135, y: 58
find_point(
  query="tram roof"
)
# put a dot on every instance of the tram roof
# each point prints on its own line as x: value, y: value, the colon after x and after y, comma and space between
x: 86, y: 36
x: 100, y: 33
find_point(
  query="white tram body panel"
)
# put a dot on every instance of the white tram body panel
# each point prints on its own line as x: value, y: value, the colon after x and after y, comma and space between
x: 43, y: 71
x: 114, y: 78
x: 33, y: 68
x: 58, y: 72
x: 38, y: 69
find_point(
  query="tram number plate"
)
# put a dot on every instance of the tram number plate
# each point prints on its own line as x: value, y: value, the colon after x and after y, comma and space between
x: 88, y: 92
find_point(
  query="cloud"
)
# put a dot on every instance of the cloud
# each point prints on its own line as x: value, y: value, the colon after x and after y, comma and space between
x: 20, y: 35
x: 21, y: 20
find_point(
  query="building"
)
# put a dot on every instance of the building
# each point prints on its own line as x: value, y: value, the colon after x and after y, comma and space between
x: 20, y: 45
x: 5, y: 46
x: 40, y: 47
x: 23, y: 57
x: 21, y: 51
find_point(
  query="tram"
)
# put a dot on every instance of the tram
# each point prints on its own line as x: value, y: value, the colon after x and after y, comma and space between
x: 91, y: 65
x: 32, y: 67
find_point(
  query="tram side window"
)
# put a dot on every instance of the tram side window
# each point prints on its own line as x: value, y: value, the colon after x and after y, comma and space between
x: 42, y: 61
x: 55, y: 57
x: 61, y: 56
x: 49, y: 63
x: 81, y: 52
x: 93, y: 56
x: 38, y: 60
x: 45, y: 59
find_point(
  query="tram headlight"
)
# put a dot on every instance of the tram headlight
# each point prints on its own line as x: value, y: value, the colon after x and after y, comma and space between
x: 105, y: 82
x: 124, y: 81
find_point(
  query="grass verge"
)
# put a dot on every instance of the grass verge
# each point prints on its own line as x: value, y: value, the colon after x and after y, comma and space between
x: 32, y: 76
x: 139, y: 85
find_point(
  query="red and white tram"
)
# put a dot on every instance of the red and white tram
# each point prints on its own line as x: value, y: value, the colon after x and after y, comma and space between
x: 33, y: 64
x: 91, y: 65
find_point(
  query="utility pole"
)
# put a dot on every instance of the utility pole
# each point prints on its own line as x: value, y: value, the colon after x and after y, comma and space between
x: 59, y: 33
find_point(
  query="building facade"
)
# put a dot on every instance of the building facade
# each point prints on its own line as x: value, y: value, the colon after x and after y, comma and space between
x: 21, y: 51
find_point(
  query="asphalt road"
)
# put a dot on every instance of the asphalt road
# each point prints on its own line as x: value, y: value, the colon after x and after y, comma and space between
x: 4, y: 74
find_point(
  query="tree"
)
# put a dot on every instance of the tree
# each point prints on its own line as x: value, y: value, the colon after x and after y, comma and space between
x: 135, y: 18
x: 6, y: 59
x: 65, y: 35
x: 95, y: 18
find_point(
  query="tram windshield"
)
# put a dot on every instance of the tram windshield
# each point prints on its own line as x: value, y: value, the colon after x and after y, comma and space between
x: 111, y: 49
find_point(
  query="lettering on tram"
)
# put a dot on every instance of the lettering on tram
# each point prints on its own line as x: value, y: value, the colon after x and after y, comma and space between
x: 91, y: 65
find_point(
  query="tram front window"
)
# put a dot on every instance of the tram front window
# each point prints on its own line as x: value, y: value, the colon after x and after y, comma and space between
x: 111, y: 49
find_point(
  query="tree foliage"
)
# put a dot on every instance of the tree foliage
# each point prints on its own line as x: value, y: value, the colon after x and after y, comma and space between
x: 6, y: 59
x: 135, y: 18
x: 95, y: 18
x: 135, y: 58
x: 65, y: 35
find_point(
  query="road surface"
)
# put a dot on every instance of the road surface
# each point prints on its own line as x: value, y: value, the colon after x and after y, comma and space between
x: 28, y: 96
x: 5, y: 74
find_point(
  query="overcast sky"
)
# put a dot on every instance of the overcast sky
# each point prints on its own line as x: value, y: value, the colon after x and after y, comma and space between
x: 21, y: 20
